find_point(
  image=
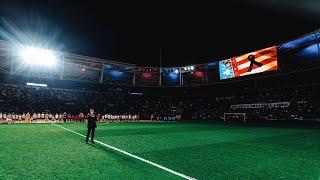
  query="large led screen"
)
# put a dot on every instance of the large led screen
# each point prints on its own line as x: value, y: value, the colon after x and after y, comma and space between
x: 250, y: 63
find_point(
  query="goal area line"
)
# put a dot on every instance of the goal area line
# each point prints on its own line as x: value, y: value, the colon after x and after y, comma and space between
x: 132, y: 155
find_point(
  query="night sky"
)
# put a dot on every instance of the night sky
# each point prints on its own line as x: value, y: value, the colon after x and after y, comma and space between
x: 188, y: 33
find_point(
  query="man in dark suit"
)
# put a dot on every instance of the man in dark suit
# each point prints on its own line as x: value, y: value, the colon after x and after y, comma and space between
x: 92, y: 124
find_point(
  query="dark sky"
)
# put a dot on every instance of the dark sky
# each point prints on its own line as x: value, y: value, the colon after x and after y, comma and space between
x: 188, y: 33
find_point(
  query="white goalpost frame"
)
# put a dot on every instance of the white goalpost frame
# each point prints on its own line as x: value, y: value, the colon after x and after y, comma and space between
x: 244, y: 116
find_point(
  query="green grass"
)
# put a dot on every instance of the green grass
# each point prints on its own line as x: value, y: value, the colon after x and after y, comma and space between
x: 203, y: 151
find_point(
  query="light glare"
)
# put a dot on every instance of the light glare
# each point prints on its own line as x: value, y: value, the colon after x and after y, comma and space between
x: 38, y: 56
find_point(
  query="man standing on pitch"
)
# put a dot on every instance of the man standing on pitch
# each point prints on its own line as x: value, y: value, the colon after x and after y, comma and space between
x: 92, y: 119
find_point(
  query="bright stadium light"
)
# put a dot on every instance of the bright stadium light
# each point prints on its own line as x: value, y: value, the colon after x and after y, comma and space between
x: 38, y: 56
x: 37, y: 84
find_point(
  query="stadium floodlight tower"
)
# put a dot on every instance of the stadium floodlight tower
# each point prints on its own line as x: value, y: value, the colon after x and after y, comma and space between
x: 38, y: 56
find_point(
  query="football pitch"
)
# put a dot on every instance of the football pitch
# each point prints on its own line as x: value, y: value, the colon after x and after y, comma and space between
x: 201, y: 151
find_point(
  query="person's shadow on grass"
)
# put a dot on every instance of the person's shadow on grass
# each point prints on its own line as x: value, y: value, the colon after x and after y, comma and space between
x: 113, y: 153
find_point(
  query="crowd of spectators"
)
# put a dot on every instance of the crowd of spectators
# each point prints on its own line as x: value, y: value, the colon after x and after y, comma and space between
x: 119, y: 104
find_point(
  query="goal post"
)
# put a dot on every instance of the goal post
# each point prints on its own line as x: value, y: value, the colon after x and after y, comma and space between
x: 234, y: 117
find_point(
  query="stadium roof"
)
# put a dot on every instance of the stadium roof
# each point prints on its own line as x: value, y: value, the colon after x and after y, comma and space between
x: 188, y: 33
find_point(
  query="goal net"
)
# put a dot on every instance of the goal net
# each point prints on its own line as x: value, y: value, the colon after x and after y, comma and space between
x: 235, y: 117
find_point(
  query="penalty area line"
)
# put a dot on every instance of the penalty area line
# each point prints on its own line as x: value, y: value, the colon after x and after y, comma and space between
x: 133, y: 156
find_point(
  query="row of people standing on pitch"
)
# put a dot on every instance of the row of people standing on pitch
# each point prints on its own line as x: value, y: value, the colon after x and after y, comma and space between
x: 123, y: 117
x: 42, y: 117
x: 64, y: 117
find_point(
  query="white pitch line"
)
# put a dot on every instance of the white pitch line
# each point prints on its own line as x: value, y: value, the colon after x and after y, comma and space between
x: 134, y: 156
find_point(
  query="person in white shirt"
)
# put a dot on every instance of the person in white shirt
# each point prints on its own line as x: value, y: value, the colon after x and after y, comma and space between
x: 23, y: 117
x: 34, y: 116
x: 9, y: 118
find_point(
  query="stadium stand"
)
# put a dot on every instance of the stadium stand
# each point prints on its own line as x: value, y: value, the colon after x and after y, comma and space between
x: 204, y: 92
x: 302, y: 102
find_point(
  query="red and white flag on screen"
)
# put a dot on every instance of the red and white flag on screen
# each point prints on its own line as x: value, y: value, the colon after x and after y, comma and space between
x: 255, y: 62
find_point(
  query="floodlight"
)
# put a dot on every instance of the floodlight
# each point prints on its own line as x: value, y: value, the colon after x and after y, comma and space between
x: 38, y: 56
x: 37, y: 84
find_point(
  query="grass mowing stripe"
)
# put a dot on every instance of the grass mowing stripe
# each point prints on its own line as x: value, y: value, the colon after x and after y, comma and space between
x: 134, y: 156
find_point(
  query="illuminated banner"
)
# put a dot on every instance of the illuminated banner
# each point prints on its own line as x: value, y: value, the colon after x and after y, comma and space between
x: 301, y: 50
x: 251, y: 63
x: 170, y: 76
x: 261, y: 105
x: 147, y: 76
x: 110, y: 67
